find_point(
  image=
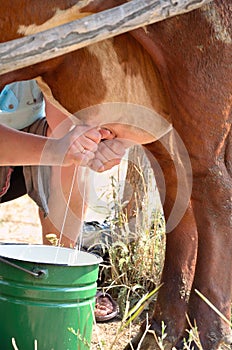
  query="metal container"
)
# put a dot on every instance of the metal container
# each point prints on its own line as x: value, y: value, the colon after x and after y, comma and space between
x: 47, y: 297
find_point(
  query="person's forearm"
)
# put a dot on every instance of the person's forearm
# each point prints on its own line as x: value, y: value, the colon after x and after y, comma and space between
x: 19, y: 148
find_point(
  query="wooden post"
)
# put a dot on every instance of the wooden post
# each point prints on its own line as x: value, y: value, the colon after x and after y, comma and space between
x: 69, y: 37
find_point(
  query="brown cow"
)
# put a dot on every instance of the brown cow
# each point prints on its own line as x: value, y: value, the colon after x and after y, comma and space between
x: 182, y: 69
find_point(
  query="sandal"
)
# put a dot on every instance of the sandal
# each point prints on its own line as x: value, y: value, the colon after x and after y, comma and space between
x: 106, y: 308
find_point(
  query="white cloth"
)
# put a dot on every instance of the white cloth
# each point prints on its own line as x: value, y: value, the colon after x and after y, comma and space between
x: 21, y: 104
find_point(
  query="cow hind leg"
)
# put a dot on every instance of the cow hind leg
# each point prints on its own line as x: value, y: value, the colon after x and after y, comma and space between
x: 179, y: 266
x: 212, y: 193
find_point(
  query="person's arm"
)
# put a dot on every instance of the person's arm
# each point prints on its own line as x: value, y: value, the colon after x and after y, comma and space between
x: 19, y: 148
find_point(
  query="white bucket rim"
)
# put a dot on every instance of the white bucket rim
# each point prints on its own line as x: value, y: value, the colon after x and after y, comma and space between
x: 51, y: 255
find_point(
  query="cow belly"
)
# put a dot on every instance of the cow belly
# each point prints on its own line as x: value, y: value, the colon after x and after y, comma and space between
x: 116, y: 70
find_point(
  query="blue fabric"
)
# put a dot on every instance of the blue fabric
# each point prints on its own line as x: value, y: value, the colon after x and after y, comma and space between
x: 8, y: 100
x: 21, y: 104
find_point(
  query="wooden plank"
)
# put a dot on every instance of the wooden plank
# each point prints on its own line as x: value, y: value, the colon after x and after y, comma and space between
x: 57, y: 41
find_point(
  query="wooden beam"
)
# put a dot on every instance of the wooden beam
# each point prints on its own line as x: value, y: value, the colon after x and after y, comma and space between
x: 69, y: 37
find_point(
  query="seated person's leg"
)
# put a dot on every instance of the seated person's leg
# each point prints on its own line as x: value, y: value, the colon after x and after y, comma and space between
x: 59, y: 219
x: 60, y: 187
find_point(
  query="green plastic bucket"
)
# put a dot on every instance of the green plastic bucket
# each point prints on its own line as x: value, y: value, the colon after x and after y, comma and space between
x: 47, y: 297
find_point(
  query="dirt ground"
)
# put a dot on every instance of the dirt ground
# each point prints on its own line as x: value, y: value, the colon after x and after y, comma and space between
x: 19, y: 223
